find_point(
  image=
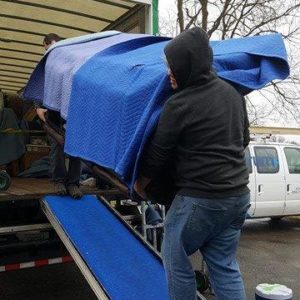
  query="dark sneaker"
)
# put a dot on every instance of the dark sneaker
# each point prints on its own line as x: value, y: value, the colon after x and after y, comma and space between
x: 60, y: 189
x: 74, y: 191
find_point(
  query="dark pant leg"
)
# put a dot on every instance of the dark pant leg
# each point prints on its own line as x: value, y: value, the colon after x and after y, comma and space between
x: 57, y: 162
x: 58, y: 158
x: 74, y: 171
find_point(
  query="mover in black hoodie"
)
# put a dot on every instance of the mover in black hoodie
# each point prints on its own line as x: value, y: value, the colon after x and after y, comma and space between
x: 202, y: 133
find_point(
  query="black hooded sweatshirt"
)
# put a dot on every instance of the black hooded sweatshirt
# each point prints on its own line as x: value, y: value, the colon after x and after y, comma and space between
x: 203, y: 128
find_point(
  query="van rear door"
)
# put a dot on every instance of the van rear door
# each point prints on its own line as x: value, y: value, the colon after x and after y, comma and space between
x: 292, y: 169
x: 270, y: 181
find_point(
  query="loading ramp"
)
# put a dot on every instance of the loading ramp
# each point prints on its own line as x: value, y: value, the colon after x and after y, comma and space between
x: 116, y: 262
x: 114, y: 259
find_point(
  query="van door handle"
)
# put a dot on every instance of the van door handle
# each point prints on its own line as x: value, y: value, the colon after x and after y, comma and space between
x: 288, y: 186
x: 260, y: 189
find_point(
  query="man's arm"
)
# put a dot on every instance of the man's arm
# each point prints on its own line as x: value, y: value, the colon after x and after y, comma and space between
x: 246, y: 125
x: 40, y: 111
x: 140, y: 185
x: 162, y: 145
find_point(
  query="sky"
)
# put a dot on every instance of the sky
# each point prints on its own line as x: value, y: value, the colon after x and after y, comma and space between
x: 166, y: 4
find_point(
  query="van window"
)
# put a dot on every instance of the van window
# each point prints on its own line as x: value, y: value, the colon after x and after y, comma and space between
x: 248, y: 160
x: 293, y: 159
x: 266, y: 160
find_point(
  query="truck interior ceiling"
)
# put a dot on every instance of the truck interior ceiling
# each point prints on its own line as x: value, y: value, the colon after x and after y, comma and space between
x: 23, y: 24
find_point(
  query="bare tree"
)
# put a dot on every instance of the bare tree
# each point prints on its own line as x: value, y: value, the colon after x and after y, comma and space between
x: 277, y: 138
x: 224, y: 19
x: 167, y: 22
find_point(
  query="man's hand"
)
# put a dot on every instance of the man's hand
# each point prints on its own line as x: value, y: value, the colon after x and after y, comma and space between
x: 140, y: 185
x: 41, y: 112
x: 139, y: 190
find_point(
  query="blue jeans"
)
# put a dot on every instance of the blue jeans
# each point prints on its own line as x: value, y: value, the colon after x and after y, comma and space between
x: 212, y: 226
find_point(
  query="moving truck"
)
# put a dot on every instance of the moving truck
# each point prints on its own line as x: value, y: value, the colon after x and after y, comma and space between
x: 25, y: 234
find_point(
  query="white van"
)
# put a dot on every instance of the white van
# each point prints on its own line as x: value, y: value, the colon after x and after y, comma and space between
x: 274, y: 173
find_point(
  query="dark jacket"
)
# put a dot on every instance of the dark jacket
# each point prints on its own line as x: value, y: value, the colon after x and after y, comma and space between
x: 203, y: 128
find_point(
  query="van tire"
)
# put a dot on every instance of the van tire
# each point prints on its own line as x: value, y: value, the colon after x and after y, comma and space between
x: 5, y: 181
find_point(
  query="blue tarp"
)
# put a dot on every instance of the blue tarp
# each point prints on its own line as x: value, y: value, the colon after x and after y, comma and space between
x: 116, y: 95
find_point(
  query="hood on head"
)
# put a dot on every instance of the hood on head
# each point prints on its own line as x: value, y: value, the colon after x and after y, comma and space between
x: 190, y: 57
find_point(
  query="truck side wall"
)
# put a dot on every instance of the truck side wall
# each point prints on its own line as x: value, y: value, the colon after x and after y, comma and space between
x: 136, y: 20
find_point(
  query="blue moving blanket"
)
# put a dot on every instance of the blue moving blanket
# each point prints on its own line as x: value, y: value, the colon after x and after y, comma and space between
x: 116, y: 95
x: 123, y: 265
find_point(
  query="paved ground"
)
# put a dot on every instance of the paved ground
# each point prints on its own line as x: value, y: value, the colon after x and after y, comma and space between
x: 269, y: 252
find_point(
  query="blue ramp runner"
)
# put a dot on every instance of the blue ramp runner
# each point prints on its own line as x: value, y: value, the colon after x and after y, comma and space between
x: 119, y: 260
